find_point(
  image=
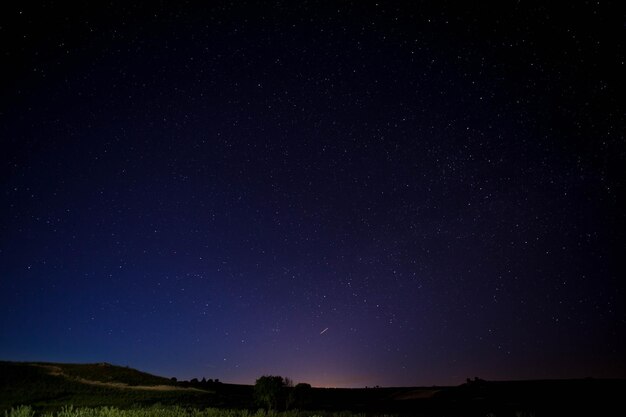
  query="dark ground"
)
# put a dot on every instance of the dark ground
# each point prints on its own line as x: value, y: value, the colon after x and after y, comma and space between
x: 51, y: 386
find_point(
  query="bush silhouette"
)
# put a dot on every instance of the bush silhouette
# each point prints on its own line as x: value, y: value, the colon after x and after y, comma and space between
x: 268, y: 391
x: 300, y: 396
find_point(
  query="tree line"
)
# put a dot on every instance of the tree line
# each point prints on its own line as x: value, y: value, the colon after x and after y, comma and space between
x: 195, y: 383
x: 278, y: 393
x: 270, y: 391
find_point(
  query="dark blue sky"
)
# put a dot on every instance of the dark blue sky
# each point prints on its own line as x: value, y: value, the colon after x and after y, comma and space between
x: 202, y: 191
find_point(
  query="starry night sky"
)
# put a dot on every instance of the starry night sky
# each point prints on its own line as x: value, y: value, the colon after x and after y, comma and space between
x: 203, y: 190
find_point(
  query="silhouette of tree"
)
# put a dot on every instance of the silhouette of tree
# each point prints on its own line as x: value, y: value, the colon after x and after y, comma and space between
x: 268, y: 390
x: 300, y: 397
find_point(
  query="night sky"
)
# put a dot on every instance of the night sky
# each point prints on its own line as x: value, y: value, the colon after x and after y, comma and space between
x: 344, y: 193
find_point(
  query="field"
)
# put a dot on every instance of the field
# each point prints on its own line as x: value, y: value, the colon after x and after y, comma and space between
x: 156, y: 411
x: 104, y: 390
x: 52, y: 386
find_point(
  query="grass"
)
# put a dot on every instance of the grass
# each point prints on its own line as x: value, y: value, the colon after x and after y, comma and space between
x: 103, y: 372
x: 102, y: 390
x: 44, y: 388
x: 174, y: 411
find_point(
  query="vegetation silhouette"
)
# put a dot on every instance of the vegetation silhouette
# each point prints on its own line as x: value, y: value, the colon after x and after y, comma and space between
x: 269, y: 391
x: 50, y: 387
x: 275, y: 393
x: 300, y: 397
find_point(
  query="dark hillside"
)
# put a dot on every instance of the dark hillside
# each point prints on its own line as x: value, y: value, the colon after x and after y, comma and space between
x: 52, y: 385
x: 105, y: 372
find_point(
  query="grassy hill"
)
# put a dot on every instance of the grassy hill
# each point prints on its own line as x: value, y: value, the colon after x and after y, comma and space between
x: 104, y: 372
x: 51, y: 385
